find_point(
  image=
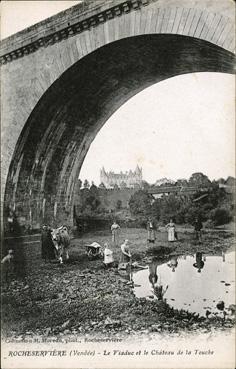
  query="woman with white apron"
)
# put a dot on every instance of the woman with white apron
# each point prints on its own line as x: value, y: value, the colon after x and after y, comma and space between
x: 171, y: 231
x: 108, y: 256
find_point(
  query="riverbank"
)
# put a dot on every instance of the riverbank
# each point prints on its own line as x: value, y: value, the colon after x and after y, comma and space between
x: 81, y: 297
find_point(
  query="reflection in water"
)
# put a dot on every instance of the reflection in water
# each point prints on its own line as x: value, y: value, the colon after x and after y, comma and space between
x: 159, y: 292
x: 186, y: 289
x: 199, y: 264
x: 173, y: 263
x: 156, y: 281
x: 153, y: 272
x: 223, y: 256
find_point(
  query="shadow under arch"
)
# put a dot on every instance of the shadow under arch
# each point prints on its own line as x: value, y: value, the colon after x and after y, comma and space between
x: 57, y: 135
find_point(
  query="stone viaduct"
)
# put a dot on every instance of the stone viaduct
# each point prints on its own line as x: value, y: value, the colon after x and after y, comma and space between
x: 64, y: 77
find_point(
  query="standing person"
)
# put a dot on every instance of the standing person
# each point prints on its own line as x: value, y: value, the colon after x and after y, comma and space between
x: 125, y: 258
x: 108, y: 256
x: 10, y: 221
x: 151, y: 234
x: 198, y: 229
x: 171, y: 231
x: 115, y: 230
x: 48, y: 248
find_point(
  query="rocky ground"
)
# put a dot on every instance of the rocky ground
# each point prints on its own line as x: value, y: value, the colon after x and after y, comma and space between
x: 81, y: 297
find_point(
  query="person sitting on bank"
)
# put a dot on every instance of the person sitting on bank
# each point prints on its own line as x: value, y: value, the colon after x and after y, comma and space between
x: 125, y: 258
x: 108, y: 256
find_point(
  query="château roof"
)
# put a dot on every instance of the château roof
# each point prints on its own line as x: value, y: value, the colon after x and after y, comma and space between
x: 137, y: 170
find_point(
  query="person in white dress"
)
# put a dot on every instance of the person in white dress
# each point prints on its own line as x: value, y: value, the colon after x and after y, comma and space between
x: 108, y: 256
x: 171, y: 231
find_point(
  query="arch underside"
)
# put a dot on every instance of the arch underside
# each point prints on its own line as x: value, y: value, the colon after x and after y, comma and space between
x: 59, y: 131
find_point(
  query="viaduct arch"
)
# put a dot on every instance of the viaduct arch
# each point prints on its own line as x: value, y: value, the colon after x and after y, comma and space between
x: 64, y: 77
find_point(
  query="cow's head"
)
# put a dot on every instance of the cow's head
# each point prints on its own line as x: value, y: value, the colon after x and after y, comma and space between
x: 55, y: 234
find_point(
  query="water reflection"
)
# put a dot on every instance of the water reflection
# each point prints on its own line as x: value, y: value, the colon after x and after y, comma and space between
x: 198, y: 292
x: 223, y: 256
x: 173, y: 263
x: 199, y: 263
x: 156, y: 281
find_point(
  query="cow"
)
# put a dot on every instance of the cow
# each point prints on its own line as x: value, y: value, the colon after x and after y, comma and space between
x: 61, y: 240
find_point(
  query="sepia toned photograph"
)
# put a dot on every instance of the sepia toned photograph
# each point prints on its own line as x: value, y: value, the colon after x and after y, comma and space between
x: 118, y: 184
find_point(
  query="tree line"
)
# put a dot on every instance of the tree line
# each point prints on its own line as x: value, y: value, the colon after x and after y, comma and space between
x: 210, y: 202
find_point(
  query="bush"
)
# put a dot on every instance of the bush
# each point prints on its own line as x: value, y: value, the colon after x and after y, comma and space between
x: 140, y: 203
x: 220, y: 216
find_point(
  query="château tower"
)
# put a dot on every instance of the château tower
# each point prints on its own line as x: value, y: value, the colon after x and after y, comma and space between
x: 127, y: 179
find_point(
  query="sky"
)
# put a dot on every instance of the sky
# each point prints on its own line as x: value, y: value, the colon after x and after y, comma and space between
x: 18, y: 15
x: 172, y: 129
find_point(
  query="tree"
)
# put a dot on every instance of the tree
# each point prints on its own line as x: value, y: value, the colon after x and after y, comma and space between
x: 140, y: 203
x: 170, y: 206
x: 115, y: 187
x: 199, y: 180
x: 86, y: 184
x: 156, y: 209
x: 221, y: 216
x: 102, y: 186
x: 119, y: 204
x: 79, y: 184
x: 181, y: 182
x: 145, y: 185
x: 93, y: 189
x: 123, y: 185
x: 92, y: 203
x: 136, y: 186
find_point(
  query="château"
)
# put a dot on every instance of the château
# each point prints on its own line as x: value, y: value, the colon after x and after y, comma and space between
x: 128, y: 179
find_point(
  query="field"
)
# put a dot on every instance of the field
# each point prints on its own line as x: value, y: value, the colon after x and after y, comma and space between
x: 81, y: 297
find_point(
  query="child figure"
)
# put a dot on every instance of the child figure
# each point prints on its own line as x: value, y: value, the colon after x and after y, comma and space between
x: 7, y: 263
x: 108, y: 256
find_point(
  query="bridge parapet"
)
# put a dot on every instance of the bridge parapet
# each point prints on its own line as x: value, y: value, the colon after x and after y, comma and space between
x: 77, y: 19
x: 87, y: 15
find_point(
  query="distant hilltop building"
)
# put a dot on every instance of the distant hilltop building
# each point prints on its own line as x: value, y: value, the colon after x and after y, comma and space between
x: 127, y: 179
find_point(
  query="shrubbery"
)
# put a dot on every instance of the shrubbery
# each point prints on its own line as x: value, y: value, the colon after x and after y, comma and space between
x: 221, y: 216
x: 214, y: 206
